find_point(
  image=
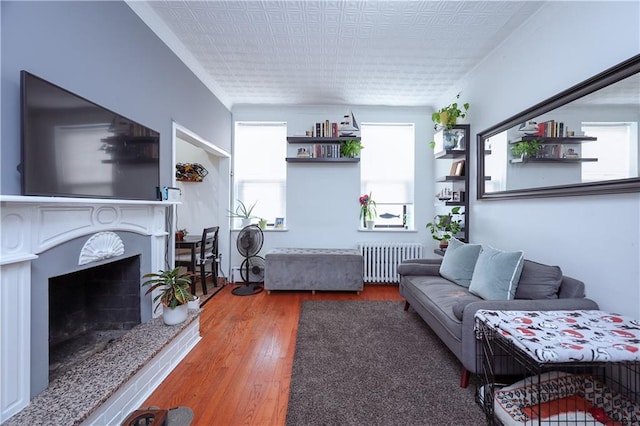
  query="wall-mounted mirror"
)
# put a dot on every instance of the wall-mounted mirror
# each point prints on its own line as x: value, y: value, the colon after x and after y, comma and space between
x: 584, y: 140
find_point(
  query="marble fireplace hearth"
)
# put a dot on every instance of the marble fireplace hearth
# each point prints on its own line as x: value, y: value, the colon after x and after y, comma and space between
x: 98, y: 391
x: 46, y: 237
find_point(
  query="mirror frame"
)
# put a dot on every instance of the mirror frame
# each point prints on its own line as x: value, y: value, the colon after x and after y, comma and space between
x: 612, y: 75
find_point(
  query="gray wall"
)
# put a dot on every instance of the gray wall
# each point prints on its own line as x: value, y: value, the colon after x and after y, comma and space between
x: 322, y: 199
x: 593, y: 238
x: 105, y: 53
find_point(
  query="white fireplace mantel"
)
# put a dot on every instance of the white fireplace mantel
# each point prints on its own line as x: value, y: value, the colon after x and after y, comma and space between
x: 29, y: 226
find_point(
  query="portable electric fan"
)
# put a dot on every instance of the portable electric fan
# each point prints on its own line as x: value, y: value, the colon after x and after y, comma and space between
x: 249, y: 243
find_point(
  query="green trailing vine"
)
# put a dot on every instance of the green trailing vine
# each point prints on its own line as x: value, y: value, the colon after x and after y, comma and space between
x: 445, y: 226
x: 447, y: 117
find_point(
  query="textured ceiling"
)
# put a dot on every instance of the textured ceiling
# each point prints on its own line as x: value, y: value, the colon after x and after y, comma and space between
x: 408, y: 53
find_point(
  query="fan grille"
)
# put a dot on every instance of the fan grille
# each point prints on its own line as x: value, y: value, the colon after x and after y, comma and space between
x: 250, y: 239
x: 252, y: 269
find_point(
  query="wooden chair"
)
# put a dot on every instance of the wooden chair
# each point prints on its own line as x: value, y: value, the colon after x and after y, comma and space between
x: 208, y: 256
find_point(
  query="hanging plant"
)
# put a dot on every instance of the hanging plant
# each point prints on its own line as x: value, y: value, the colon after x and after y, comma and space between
x: 448, y: 116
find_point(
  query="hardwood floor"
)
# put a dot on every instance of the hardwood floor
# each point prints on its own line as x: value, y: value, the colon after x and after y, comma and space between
x: 240, y: 372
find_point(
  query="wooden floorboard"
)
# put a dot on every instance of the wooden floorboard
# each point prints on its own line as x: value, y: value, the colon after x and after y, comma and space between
x: 240, y: 372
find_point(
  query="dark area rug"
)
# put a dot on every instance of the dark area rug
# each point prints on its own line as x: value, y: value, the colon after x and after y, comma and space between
x: 372, y: 363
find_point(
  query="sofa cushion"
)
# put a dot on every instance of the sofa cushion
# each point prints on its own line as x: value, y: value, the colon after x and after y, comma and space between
x: 408, y: 268
x: 496, y: 274
x: 459, y: 261
x: 539, y: 281
x: 438, y: 298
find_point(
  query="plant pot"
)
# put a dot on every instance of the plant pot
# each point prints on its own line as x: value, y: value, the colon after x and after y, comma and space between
x: 369, y: 224
x: 179, y: 236
x: 173, y: 316
x: 262, y: 224
x: 246, y: 221
x: 450, y: 139
x: 444, y: 244
x: 444, y: 118
x: 194, y: 304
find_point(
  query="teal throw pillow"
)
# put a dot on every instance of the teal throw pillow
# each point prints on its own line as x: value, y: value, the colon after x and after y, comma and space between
x: 497, y: 274
x: 459, y: 261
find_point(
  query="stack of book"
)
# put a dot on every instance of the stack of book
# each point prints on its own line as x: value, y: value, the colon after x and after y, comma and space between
x: 320, y: 150
x: 550, y: 151
x: 325, y: 129
x: 551, y: 129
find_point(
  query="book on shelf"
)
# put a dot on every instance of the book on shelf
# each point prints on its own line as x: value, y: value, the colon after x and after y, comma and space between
x: 325, y: 129
x: 550, y: 151
x: 550, y: 129
x: 322, y: 150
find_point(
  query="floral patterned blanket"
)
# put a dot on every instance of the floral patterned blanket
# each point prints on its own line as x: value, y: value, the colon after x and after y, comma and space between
x: 567, y: 336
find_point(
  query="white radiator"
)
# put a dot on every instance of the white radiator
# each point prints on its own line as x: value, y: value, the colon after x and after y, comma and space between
x: 381, y: 260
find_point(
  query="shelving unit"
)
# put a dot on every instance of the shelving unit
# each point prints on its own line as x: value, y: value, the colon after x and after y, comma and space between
x: 552, y: 160
x: 321, y: 160
x: 459, y: 184
x: 451, y: 179
x: 322, y: 149
x: 549, y: 141
x: 450, y: 153
x: 314, y: 139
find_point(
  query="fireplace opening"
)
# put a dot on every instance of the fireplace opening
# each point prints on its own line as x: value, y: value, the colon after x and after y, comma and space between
x: 89, y: 309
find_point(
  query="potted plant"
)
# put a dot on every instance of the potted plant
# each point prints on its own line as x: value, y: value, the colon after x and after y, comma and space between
x: 445, y: 226
x: 243, y: 212
x: 367, y: 210
x: 174, y: 294
x: 350, y: 148
x: 180, y: 234
x: 525, y: 149
x: 447, y: 117
x: 262, y: 223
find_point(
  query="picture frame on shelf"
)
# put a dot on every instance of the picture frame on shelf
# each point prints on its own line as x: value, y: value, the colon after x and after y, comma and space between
x: 457, y: 168
x: 303, y: 152
x: 455, y: 196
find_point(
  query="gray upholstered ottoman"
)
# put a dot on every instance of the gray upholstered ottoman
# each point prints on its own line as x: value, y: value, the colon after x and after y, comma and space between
x: 313, y: 269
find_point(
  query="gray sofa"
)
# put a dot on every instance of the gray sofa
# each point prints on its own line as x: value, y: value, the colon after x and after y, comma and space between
x: 449, y: 308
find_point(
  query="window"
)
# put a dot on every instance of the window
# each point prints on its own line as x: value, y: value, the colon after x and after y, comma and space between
x: 94, y: 176
x: 615, y: 149
x: 387, y: 171
x: 259, y: 169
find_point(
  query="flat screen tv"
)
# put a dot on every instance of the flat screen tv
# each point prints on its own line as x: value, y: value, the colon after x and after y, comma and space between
x: 72, y: 147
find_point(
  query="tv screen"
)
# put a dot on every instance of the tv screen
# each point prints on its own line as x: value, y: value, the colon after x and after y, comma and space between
x: 72, y: 147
